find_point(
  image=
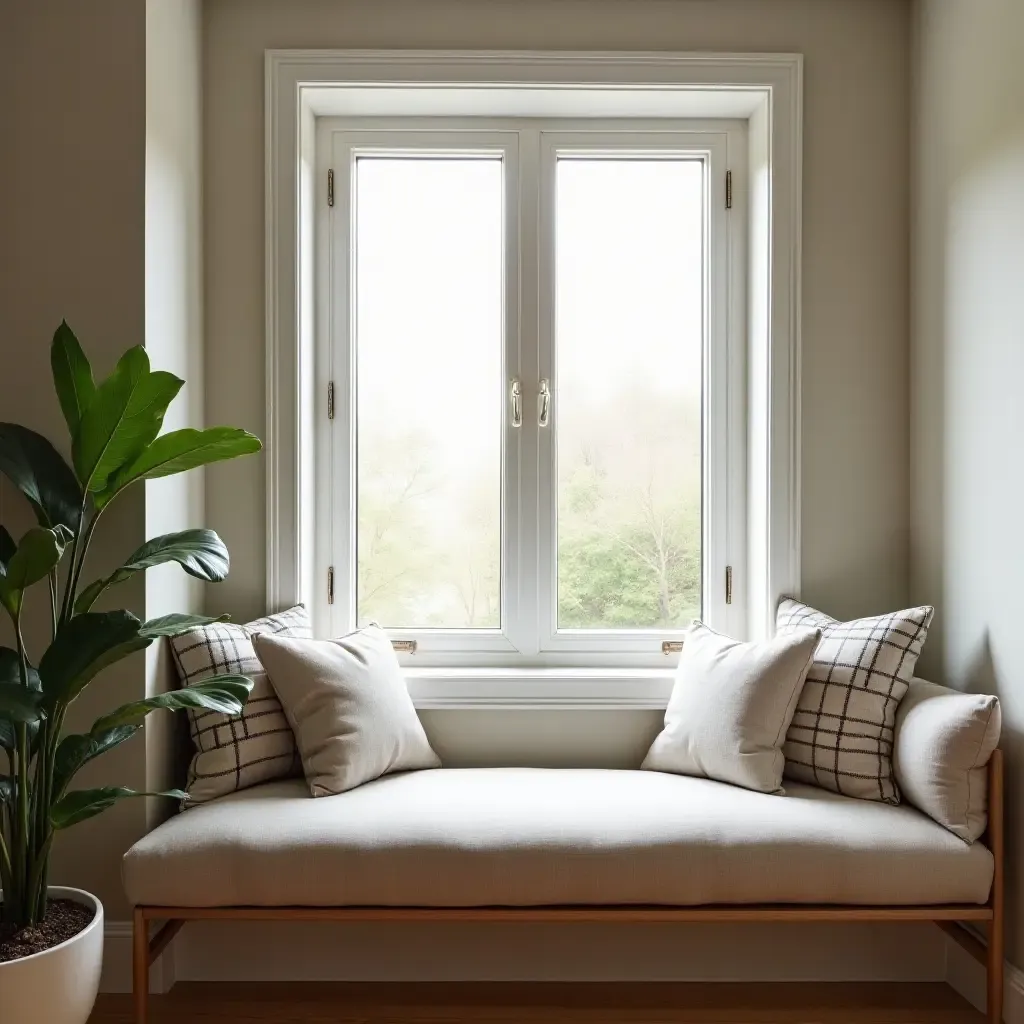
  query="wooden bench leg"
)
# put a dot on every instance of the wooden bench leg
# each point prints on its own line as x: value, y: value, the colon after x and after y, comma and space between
x: 994, y: 961
x: 994, y: 968
x: 140, y: 967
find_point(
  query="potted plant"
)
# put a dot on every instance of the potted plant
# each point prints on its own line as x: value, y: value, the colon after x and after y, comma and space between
x: 51, y: 939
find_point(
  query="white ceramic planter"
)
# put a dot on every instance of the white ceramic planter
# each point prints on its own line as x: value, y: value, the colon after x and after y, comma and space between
x: 59, y: 985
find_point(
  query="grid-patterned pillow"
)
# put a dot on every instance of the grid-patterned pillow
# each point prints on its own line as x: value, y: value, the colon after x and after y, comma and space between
x: 841, y: 737
x: 234, y: 752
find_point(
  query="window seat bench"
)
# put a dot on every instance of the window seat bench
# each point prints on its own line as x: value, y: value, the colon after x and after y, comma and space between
x: 562, y: 844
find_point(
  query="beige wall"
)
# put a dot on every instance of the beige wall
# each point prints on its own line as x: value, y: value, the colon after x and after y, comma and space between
x: 72, y: 149
x: 855, y: 275
x: 100, y: 217
x: 968, y: 364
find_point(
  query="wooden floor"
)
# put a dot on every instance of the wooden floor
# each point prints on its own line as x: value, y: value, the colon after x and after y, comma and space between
x: 195, y: 1003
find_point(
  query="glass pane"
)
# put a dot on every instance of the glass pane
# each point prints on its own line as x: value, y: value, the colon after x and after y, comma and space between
x: 429, y: 390
x: 628, y: 342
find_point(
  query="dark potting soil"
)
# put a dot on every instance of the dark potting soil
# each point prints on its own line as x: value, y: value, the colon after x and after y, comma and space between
x: 64, y: 920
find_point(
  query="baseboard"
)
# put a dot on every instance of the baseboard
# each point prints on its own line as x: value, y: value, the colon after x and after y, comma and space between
x: 967, y: 976
x: 117, y: 961
x: 318, y: 951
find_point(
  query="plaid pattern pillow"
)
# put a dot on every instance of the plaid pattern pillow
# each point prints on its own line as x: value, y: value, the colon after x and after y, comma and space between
x: 841, y: 737
x: 235, y: 752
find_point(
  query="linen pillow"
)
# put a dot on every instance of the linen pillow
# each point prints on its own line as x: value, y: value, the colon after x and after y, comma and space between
x: 234, y: 752
x: 944, y: 739
x: 349, y: 707
x: 841, y: 737
x: 730, y: 707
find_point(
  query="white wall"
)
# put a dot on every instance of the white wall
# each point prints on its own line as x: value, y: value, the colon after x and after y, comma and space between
x: 174, y: 330
x: 967, y: 450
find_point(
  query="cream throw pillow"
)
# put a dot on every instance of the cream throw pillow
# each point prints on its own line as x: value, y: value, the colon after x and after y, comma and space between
x: 944, y: 739
x: 349, y: 707
x: 730, y: 708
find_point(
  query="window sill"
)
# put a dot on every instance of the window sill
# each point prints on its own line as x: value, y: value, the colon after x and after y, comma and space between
x: 439, y: 689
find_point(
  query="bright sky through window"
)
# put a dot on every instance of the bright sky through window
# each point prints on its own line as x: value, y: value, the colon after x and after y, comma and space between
x: 431, y: 390
x: 628, y: 344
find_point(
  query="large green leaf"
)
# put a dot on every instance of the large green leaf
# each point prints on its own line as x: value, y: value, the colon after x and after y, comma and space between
x: 201, y: 553
x: 84, y: 646
x: 7, y: 549
x: 125, y: 414
x: 72, y: 376
x: 36, y: 468
x: 172, y: 625
x: 10, y: 670
x: 226, y: 694
x: 181, y: 450
x: 78, y: 749
x: 20, y: 705
x: 81, y: 804
x: 38, y: 552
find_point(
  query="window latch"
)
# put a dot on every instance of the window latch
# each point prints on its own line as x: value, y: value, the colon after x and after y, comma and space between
x: 544, y: 415
x: 517, y: 402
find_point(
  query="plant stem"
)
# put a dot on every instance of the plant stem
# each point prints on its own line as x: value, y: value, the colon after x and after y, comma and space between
x: 40, y: 801
x: 67, y: 604
x: 6, y: 870
x: 44, y: 881
x: 36, y: 903
x: 78, y: 555
x: 22, y: 837
x: 53, y: 602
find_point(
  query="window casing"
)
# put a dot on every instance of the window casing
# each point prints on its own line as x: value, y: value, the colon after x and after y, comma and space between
x: 527, y: 634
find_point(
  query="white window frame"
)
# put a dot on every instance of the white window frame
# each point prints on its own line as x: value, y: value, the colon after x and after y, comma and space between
x: 763, y: 90
x: 340, y: 143
x: 528, y: 634
x: 719, y: 145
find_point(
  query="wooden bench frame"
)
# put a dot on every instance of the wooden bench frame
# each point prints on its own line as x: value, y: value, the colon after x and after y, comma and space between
x: 951, y: 918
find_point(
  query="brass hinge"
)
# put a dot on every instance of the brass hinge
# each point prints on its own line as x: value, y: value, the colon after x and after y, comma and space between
x: 330, y: 399
x: 330, y: 188
x: 671, y: 646
x: 728, y: 584
x: 404, y: 646
x: 728, y: 190
x: 330, y: 584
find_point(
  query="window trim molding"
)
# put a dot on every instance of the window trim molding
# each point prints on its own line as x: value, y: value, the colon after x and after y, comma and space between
x: 766, y: 89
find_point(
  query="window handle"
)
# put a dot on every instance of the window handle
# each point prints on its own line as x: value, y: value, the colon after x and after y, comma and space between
x: 544, y: 416
x: 517, y: 403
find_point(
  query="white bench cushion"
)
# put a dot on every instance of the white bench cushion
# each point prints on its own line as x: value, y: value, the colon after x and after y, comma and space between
x: 527, y: 836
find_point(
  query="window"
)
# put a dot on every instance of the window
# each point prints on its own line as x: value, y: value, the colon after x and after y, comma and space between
x: 537, y: 448
x: 427, y: 334
x: 536, y: 113
x: 628, y: 347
